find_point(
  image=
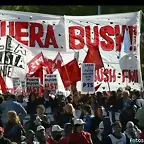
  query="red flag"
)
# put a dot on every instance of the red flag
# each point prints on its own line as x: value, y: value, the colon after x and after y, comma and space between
x: 48, y: 63
x: 94, y: 56
x: 3, y: 85
x: 57, y: 62
x: 36, y: 63
x: 70, y: 73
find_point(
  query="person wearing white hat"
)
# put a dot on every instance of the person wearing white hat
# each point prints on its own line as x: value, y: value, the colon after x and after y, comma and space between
x: 79, y: 135
x: 56, y: 134
x: 41, y: 134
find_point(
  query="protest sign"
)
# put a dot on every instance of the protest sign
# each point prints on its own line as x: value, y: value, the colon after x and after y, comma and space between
x: 88, y: 77
x: 32, y: 84
x: 23, y: 85
x: 51, y: 82
x: 16, y: 83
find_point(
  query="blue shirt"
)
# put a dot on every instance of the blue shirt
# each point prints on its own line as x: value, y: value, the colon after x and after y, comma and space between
x: 10, y: 105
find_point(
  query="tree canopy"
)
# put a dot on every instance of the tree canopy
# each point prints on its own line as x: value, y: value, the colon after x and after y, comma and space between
x: 79, y: 10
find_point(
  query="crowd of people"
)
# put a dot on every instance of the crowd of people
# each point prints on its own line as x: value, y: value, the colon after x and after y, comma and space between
x: 115, y: 117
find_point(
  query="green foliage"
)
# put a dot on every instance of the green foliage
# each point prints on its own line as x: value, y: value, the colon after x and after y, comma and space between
x: 79, y: 10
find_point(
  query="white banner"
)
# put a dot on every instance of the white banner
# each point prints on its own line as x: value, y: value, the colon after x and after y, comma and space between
x: 32, y: 82
x: 16, y: 82
x: 87, y: 78
x: 51, y: 82
x: 77, y: 33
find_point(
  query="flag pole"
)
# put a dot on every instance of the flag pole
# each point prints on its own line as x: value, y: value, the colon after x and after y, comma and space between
x: 99, y: 10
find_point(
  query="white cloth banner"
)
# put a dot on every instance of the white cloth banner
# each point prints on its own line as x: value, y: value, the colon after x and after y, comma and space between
x: 88, y: 78
x: 76, y: 33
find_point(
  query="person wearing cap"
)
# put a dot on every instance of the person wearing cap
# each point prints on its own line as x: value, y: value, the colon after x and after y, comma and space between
x: 30, y: 138
x: 3, y: 140
x: 56, y: 134
x: 41, y: 134
x: 79, y: 136
x: 68, y: 129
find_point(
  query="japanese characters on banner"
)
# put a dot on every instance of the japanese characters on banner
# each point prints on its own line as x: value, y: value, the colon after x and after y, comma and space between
x: 70, y: 33
x: 32, y: 84
x: 88, y: 78
x: 51, y: 82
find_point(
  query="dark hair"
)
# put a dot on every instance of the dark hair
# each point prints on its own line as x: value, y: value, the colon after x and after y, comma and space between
x: 136, y: 92
x: 32, y: 94
x: 87, y: 108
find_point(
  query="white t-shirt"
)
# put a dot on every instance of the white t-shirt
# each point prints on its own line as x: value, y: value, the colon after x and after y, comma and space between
x: 118, y: 141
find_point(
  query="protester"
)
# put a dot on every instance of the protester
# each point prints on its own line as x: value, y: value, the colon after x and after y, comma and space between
x: 132, y: 132
x: 79, y: 135
x: 128, y: 114
x: 98, y: 118
x: 87, y: 117
x: 30, y: 138
x: 117, y: 136
x: 41, y: 134
x: 3, y: 140
x: 56, y: 135
x: 13, y: 128
x: 137, y: 99
x: 32, y: 104
x: 67, y: 116
x: 68, y: 129
x: 12, y: 104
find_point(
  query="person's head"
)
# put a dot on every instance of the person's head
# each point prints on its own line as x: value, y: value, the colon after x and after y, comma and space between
x: 70, y: 99
x: 128, y: 88
x: 100, y: 111
x: 46, y: 93
x: 40, y: 131
x: 20, y: 98
x: 1, y: 132
x: 126, y: 94
x: 119, y: 92
x: 40, y: 109
x: 130, y: 127
x: 135, y: 94
x: 117, y: 127
x: 56, y: 132
x: 87, y: 109
x: 32, y: 96
x: 78, y: 125
x: 68, y: 128
x: 11, y: 97
x: 12, y: 117
x: 129, y: 109
x: 69, y: 109
x: 30, y: 135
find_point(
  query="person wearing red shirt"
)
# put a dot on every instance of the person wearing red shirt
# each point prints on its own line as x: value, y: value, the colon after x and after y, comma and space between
x: 68, y: 128
x: 79, y: 136
x: 56, y: 135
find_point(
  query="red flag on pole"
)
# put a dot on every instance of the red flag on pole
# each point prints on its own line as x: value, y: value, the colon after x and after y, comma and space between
x: 57, y: 62
x: 3, y: 84
x: 36, y: 63
x: 94, y: 56
x: 70, y: 73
